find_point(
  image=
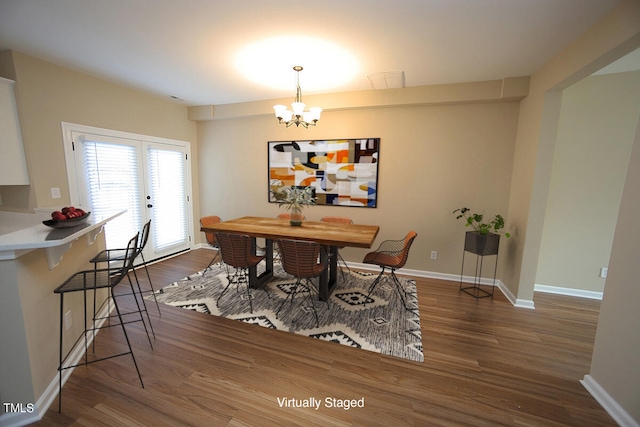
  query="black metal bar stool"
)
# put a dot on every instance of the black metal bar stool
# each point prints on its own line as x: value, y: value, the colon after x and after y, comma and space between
x: 111, y: 256
x: 93, y: 280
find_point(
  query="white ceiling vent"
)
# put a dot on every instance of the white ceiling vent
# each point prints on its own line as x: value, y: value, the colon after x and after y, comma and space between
x: 387, y: 80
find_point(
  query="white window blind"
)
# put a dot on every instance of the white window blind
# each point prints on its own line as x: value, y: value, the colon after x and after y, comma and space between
x: 167, y: 181
x: 111, y: 173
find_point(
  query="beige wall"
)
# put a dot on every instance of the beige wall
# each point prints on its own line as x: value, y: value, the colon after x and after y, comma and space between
x: 48, y: 95
x: 433, y: 159
x: 617, y: 347
x: 595, y: 134
x: 610, y: 39
x: 616, y: 351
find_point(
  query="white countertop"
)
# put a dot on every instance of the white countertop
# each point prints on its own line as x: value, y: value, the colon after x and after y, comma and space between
x: 17, y: 243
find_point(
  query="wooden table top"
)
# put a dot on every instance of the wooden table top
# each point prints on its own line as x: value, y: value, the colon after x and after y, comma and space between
x: 325, y: 233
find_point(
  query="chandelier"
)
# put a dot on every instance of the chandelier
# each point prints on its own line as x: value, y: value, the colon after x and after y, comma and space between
x: 297, y: 116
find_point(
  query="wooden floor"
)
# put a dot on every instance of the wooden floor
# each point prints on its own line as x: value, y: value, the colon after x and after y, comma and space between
x: 486, y: 364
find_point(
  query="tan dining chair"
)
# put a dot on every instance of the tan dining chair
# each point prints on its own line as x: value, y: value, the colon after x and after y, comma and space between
x: 303, y: 260
x: 391, y: 255
x: 211, y: 239
x: 339, y: 220
x: 238, y: 255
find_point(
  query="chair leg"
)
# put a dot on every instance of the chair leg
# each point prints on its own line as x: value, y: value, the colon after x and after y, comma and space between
x: 244, y: 279
x: 153, y: 291
x: 296, y: 290
x: 229, y: 282
x: 124, y: 331
x: 292, y: 294
x: 60, y: 354
x: 373, y: 286
x: 238, y: 280
x: 144, y: 303
x: 140, y: 310
x: 217, y: 258
x: 313, y: 307
x: 343, y: 262
x: 399, y: 289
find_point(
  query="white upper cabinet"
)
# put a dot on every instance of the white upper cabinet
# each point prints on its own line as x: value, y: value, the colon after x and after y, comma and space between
x: 13, y: 163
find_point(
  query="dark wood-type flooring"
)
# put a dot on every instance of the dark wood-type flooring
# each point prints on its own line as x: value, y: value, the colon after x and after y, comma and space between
x: 486, y: 363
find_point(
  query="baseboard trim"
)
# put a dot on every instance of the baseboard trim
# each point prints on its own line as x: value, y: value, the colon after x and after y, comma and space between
x: 17, y: 419
x: 568, y: 291
x: 612, y: 407
x: 451, y: 278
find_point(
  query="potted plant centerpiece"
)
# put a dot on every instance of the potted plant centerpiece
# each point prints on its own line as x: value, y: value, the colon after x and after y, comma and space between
x: 294, y: 199
x: 485, y: 237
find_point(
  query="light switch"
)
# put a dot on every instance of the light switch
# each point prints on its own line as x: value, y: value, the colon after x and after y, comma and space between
x: 55, y: 193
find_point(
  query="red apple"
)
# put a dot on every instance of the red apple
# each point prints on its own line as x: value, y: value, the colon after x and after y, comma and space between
x: 68, y: 209
x: 58, y: 216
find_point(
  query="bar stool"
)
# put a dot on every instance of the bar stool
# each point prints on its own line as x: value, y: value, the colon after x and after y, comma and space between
x: 93, y: 280
x: 111, y: 256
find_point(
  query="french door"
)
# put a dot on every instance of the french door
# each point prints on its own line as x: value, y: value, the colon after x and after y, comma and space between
x: 149, y: 179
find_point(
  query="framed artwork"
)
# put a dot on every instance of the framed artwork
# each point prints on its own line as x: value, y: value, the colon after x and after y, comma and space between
x: 342, y: 172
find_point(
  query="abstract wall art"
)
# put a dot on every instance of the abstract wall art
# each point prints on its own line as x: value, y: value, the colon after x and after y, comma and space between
x: 343, y: 172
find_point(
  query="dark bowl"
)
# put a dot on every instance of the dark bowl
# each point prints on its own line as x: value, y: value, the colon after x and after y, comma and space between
x: 71, y: 222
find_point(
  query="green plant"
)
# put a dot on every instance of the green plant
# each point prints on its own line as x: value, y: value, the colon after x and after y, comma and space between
x: 494, y: 225
x: 294, y: 198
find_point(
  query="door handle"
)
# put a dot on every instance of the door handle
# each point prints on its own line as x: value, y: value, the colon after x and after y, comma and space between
x: 149, y: 205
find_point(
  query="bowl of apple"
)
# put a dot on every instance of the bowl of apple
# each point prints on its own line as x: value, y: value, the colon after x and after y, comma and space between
x: 67, y: 217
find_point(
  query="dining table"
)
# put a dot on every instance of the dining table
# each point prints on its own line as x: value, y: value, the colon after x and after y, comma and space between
x: 329, y: 235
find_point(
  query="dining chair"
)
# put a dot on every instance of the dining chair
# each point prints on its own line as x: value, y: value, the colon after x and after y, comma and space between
x: 237, y: 251
x: 339, y: 220
x: 206, y: 221
x: 304, y: 260
x: 391, y: 255
x: 111, y: 256
x: 93, y: 280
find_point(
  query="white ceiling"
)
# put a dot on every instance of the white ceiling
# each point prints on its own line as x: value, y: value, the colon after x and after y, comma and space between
x: 188, y: 48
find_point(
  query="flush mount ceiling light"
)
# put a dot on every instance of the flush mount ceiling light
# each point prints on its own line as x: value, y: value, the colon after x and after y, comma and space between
x: 297, y: 116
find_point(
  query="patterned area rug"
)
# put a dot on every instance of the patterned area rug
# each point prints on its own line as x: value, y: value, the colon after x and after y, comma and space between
x: 378, y: 324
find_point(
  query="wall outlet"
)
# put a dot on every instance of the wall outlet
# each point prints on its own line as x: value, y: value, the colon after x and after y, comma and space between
x: 55, y: 193
x: 68, y: 320
x: 434, y: 254
x: 603, y: 272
